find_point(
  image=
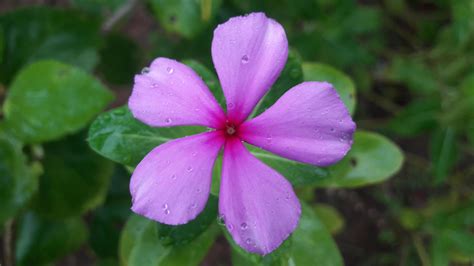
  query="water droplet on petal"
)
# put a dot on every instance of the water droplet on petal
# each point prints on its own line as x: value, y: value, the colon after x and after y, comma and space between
x: 167, y: 211
x: 193, y: 206
x: 269, y: 138
x: 249, y: 241
x: 244, y: 226
x: 189, y: 169
x: 230, y: 227
x: 154, y: 85
x: 231, y: 106
x: 221, y: 219
x: 170, y: 70
x: 245, y: 59
x: 168, y: 120
x: 145, y: 70
x: 198, y: 190
x: 173, y: 177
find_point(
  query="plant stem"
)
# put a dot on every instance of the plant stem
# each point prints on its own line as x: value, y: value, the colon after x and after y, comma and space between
x: 420, y: 249
x: 7, y: 243
x: 119, y: 14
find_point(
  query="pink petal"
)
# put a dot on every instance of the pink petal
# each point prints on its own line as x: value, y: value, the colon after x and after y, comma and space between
x: 258, y: 205
x: 309, y: 123
x: 249, y: 53
x: 171, y: 184
x: 172, y: 94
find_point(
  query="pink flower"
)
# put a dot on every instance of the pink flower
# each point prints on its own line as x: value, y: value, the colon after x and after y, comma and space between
x: 309, y: 124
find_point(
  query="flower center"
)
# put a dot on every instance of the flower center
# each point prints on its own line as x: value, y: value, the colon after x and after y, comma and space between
x: 230, y: 129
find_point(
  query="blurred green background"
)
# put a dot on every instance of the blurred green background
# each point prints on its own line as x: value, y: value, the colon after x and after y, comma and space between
x: 404, y: 195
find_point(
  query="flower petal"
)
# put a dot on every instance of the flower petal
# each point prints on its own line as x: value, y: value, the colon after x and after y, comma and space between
x: 171, y: 184
x: 309, y: 123
x: 258, y: 205
x: 249, y: 53
x: 169, y: 93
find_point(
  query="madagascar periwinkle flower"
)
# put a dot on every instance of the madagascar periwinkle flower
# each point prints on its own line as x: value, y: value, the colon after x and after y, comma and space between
x: 309, y: 124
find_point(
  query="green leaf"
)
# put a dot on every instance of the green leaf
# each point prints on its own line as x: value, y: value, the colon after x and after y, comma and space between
x: 209, y: 78
x: 183, y: 234
x: 341, y: 82
x: 416, y: 118
x: 44, y: 33
x: 48, y: 100
x: 462, y: 13
x: 312, y: 242
x: 140, y: 245
x: 372, y: 159
x: 42, y: 241
x: 291, y: 75
x: 17, y: 181
x: 75, y: 179
x: 330, y: 217
x: 119, y: 59
x: 298, y: 174
x: 185, y: 17
x: 104, y: 238
x: 444, y: 153
x: 118, y: 136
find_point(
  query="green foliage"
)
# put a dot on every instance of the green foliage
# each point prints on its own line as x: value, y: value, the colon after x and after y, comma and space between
x: 372, y: 159
x: 48, y: 100
x: 140, y: 244
x: 75, y: 179
x: 117, y: 135
x: 18, y: 182
x: 43, y: 33
x: 330, y: 217
x: 40, y: 241
x: 185, y: 17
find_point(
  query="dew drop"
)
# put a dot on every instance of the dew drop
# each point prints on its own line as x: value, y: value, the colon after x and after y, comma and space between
x: 248, y: 241
x: 173, y: 177
x: 198, y: 190
x: 165, y: 206
x: 244, y: 226
x: 145, y: 70
x: 170, y: 70
x: 230, y: 227
x: 221, y: 219
x: 168, y: 120
x: 245, y: 59
x: 167, y: 211
x: 193, y: 206
x: 154, y: 85
x: 269, y: 138
x: 189, y: 169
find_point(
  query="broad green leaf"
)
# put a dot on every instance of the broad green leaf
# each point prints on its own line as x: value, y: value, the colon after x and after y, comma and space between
x: 183, y: 234
x: 48, y: 100
x: 444, y: 153
x: 75, y: 179
x: 119, y: 59
x: 341, y: 82
x: 312, y: 242
x: 291, y: 75
x: 140, y: 244
x: 416, y: 118
x: 209, y: 78
x: 17, y: 180
x: 185, y: 17
x: 372, y: 159
x: 298, y: 174
x: 463, y: 23
x: 37, y: 33
x: 241, y: 257
x: 41, y: 241
x: 330, y: 217
x: 118, y: 136
x: 104, y: 238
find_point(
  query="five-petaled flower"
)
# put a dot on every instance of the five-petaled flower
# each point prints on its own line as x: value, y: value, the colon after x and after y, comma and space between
x: 309, y: 124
